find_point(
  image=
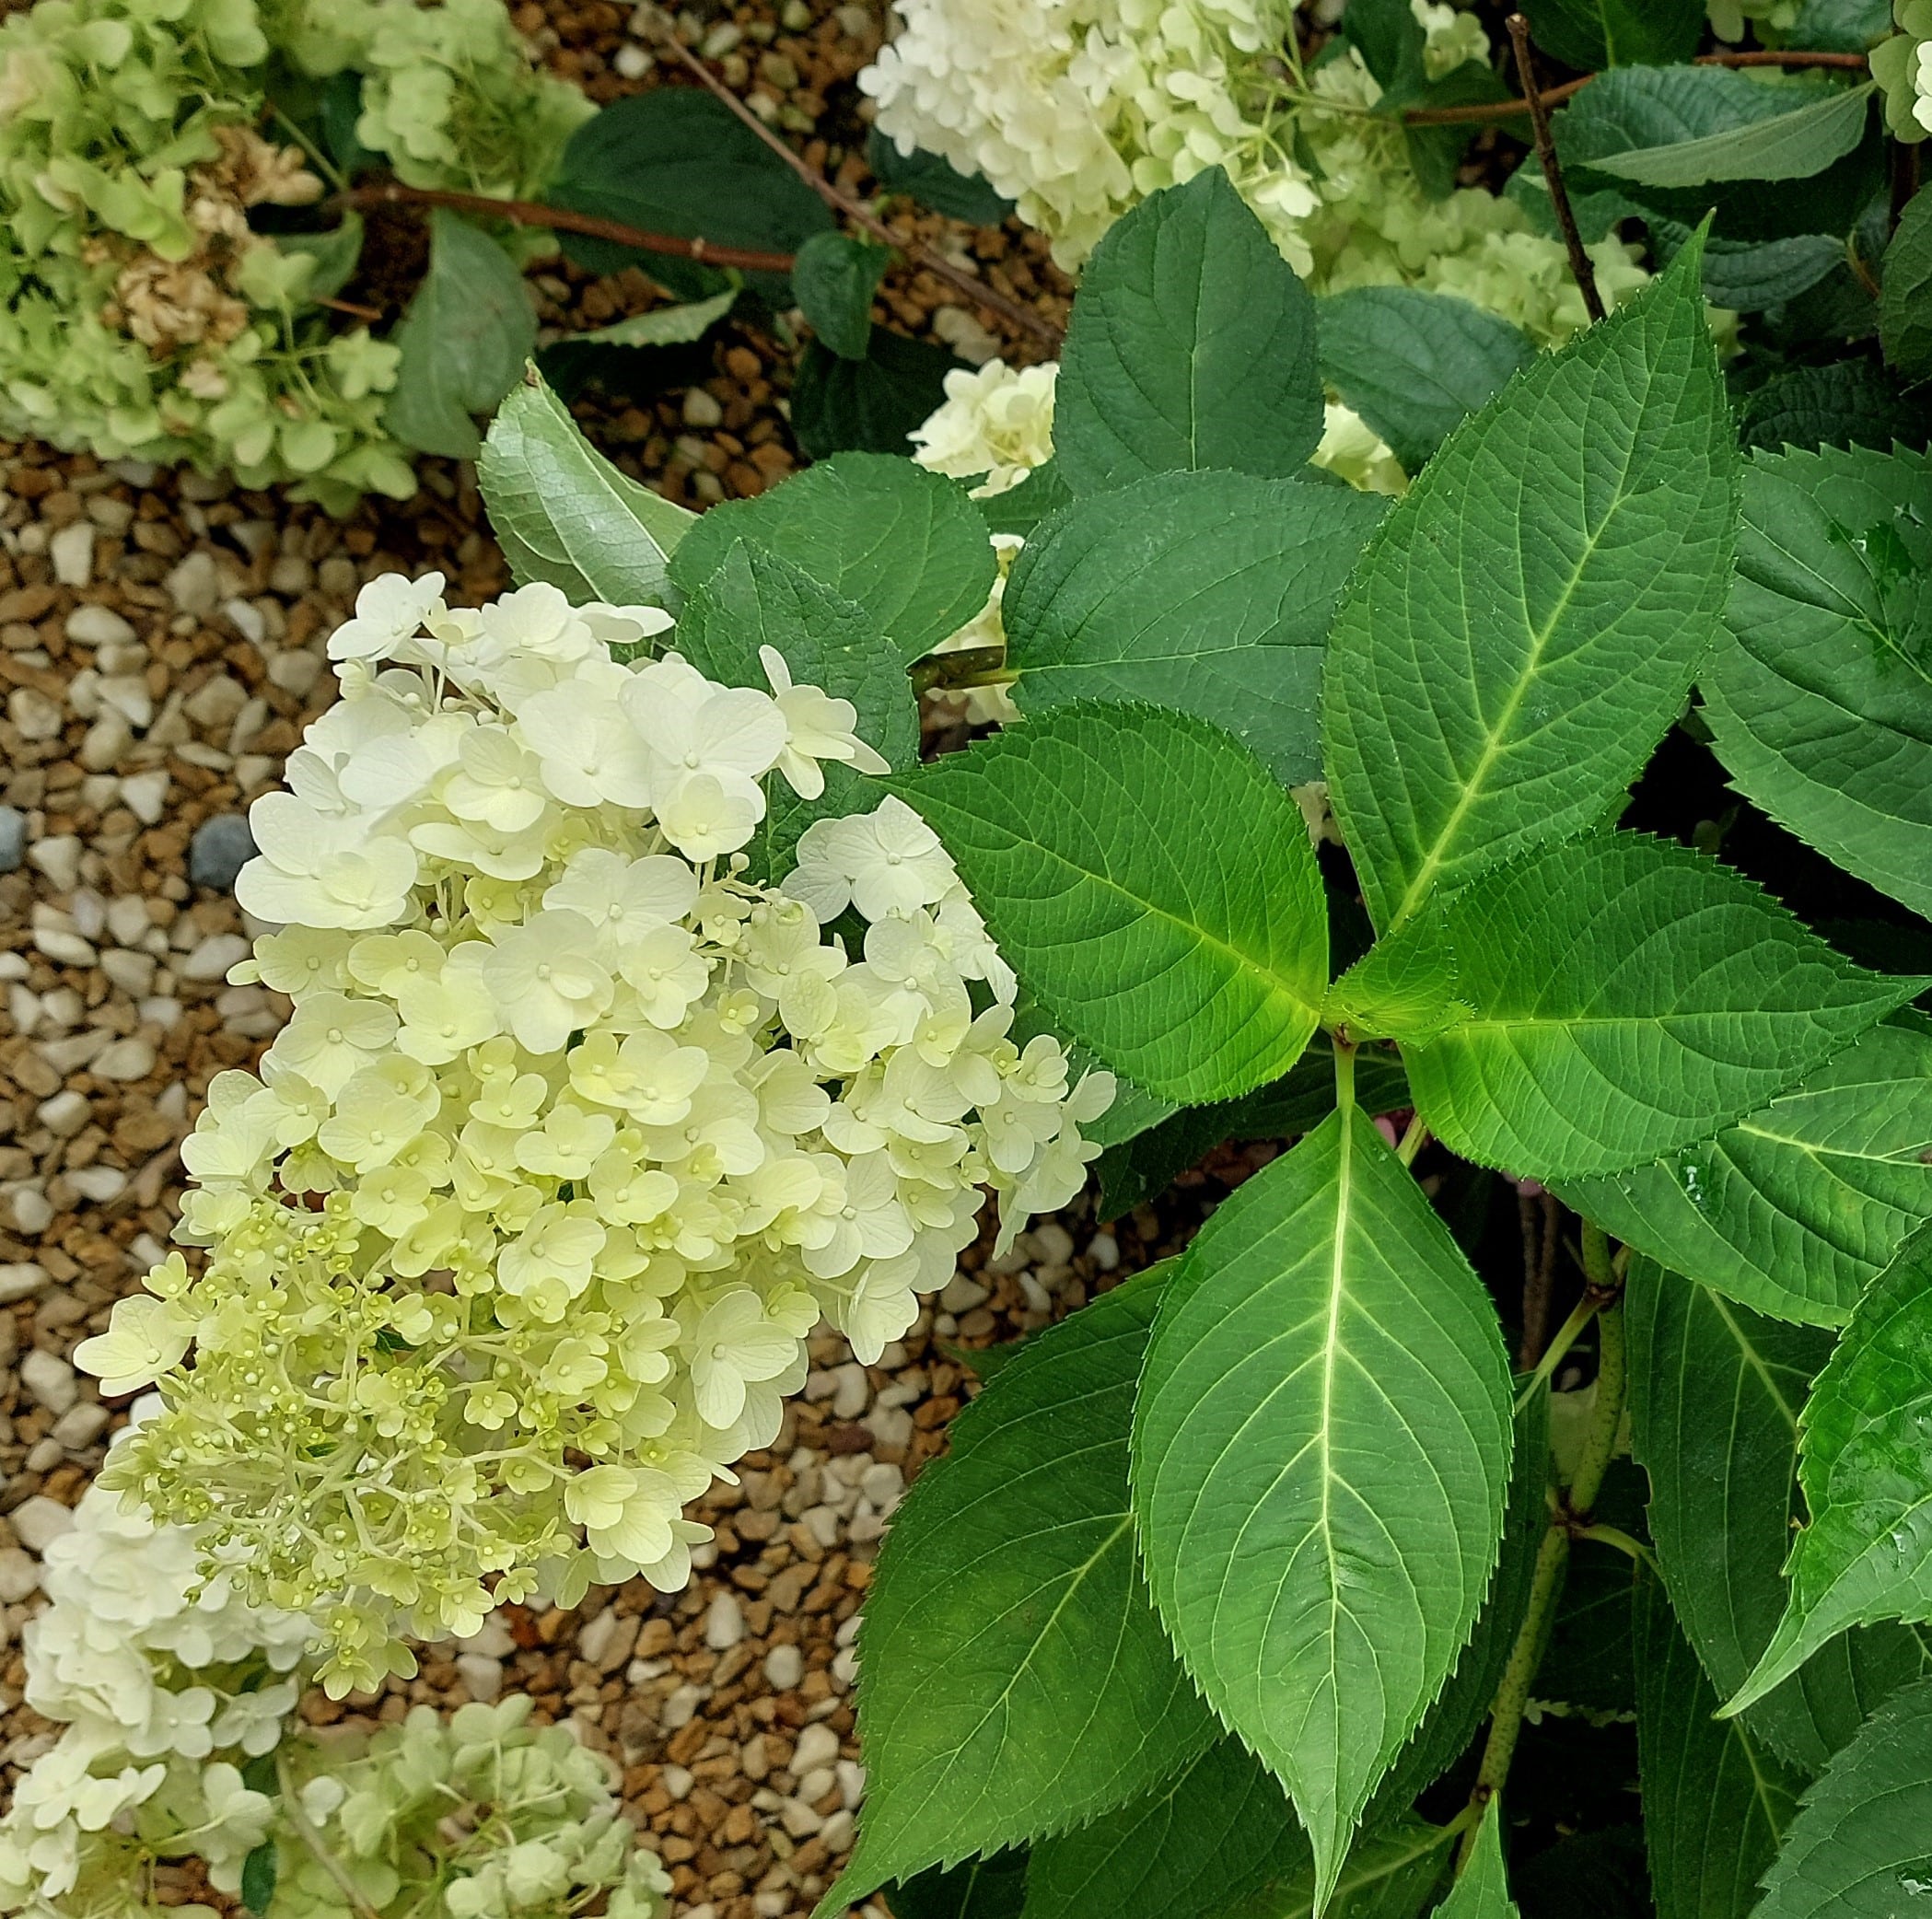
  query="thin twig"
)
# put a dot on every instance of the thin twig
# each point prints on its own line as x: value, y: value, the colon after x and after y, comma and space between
x: 371, y: 314
x: 1580, y: 267
x: 1480, y: 114
x: 1541, y: 1218
x: 561, y: 219
x: 292, y: 1810
x: 970, y: 284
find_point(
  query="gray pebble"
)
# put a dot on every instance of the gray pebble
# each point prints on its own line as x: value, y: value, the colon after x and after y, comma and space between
x: 220, y: 848
x: 13, y: 839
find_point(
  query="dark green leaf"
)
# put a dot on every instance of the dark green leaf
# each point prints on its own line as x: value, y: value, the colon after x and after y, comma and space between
x: 902, y: 544
x: 1905, y: 302
x: 1413, y: 364
x: 260, y: 1870
x: 1596, y: 1875
x: 1867, y: 1552
x: 1208, y: 592
x: 1593, y: 34
x: 1321, y: 1448
x: 1820, y: 697
x: 1628, y: 996
x: 1191, y: 346
x: 979, y: 1888
x: 834, y: 280
x: 1211, y: 1835
x: 464, y: 340
x: 675, y: 160
x: 1590, y: 1662
x: 1717, y: 1805
x: 1789, y: 144
x: 1017, y: 1680
x: 869, y: 405
x: 1391, y: 1873
x: 1022, y: 509
x: 1794, y: 1208
x: 662, y: 326
x: 1847, y: 404
x: 1714, y: 1392
x: 1750, y: 275
x: 1151, y: 884
x: 335, y: 253
x: 1839, y: 26
x: 1861, y: 1845
x: 562, y: 513
x: 1528, y: 619
x: 934, y: 182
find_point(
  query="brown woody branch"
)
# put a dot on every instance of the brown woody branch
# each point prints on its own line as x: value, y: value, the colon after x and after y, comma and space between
x: 1581, y: 269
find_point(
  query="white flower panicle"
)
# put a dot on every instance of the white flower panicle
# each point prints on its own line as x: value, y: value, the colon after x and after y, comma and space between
x: 575, y: 1132
x: 995, y: 426
x: 1079, y: 109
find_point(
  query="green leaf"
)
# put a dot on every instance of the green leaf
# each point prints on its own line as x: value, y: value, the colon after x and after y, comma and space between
x: 1790, y: 146
x: 1714, y: 1392
x: 1191, y: 346
x: 1593, y: 34
x: 1793, y: 1208
x: 1867, y: 1552
x: 834, y: 280
x: 1321, y: 1449
x: 868, y: 405
x: 1216, y: 1832
x: 978, y: 1889
x: 1821, y: 698
x: 259, y: 1873
x: 1905, y: 298
x: 1528, y: 619
x: 1482, y: 1890
x: 1389, y: 1873
x: 1144, y: 1163
x: 562, y: 513
x: 1209, y: 592
x: 902, y: 544
x: 335, y: 254
x: 1847, y: 403
x: 1628, y: 997
x: 1861, y: 1845
x: 1016, y: 1678
x: 464, y: 340
x: 662, y: 326
x: 1717, y: 1805
x: 1750, y: 275
x: 934, y: 182
x: 1151, y: 884
x: 675, y: 160
x: 1415, y: 364
x: 1021, y: 507
x: 757, y: 599
x: 1839, y: 26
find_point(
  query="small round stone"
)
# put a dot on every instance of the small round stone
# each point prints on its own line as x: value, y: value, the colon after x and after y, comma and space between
x: 220, y: 848
x: 13, y: 839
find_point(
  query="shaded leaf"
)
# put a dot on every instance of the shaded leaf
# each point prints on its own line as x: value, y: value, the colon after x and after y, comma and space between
x: 1482, y: 1889
x: 1529, y: 617
x: 978, y: 1889
x: 464, y: 340
x: 1790, y: 145
x: 1208, y: 592
x: 1845, y: 403
x: 1905, y: 299
x: 1863, y: 1443
x: 1191, y: 346
x: 1793, y: 1208
x: 868, y: 405
x: 1861, y: 1845
x: 903, y: 545
x: 1149, y: 882
x: 1016, y: 1678
x: 1593, y: 34
x: 834, y: 280
x: 662, y: 326
x: 1714, y: 1392
x: 335, y: 253
x: 934, y: 182
x: 1717, y: 1805
x: 1321, y: 1449
x: 1627, y: 996
x: 562, y: 513
x: 1821, y: 696
x: 1022, y: 509
x: 1414, y: 364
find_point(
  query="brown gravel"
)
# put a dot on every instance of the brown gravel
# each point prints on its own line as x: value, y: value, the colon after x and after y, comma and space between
x: 161, y: 648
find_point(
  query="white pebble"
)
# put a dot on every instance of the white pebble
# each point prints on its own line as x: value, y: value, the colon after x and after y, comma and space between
x: 133, y: 972
x: 836, y: 1834
x: 99, y: 1183
x: 884, y: 1485
x: 681, y: 1708
x: 854, y: 1392
x: 126, y: 1059
x: 39, y: 1522
x: 49, y: 1380
x: 145, y: 796
x: 32, y: 1215
x: 482, y: 1674
x: 33, y: 713
x: 798, y: 1819
x: 783, y: 1668
x: 65, y: 1114
x: 194, y: 586
x: 631, y: 61
x: 246, y: 618
x: 20, y: 1279
x: 127, y: 918
x: 677, y: 1782
x: 19, y: 1576
x: 93, y: 625
x: 127, y: 693
x: 214, y: 956
x: 724, y: 1623
x: 106, y: 743
x: 63, y: 948
x: 818, y: 1746
x: 81, y: 1425
x: 72, y: 551
x: 58, y: 856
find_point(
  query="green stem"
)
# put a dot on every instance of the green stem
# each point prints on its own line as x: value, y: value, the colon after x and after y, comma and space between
x: 1569, y: 1518
x: 1413, y: 1141
x: 1622, y: 1540
x: 1344, y: 1075
x: 1567, y: 1334
x: 304, y: 1829
x: 970, y: 666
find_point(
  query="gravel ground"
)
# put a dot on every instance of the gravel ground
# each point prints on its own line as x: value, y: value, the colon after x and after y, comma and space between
x: 161, y: 647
